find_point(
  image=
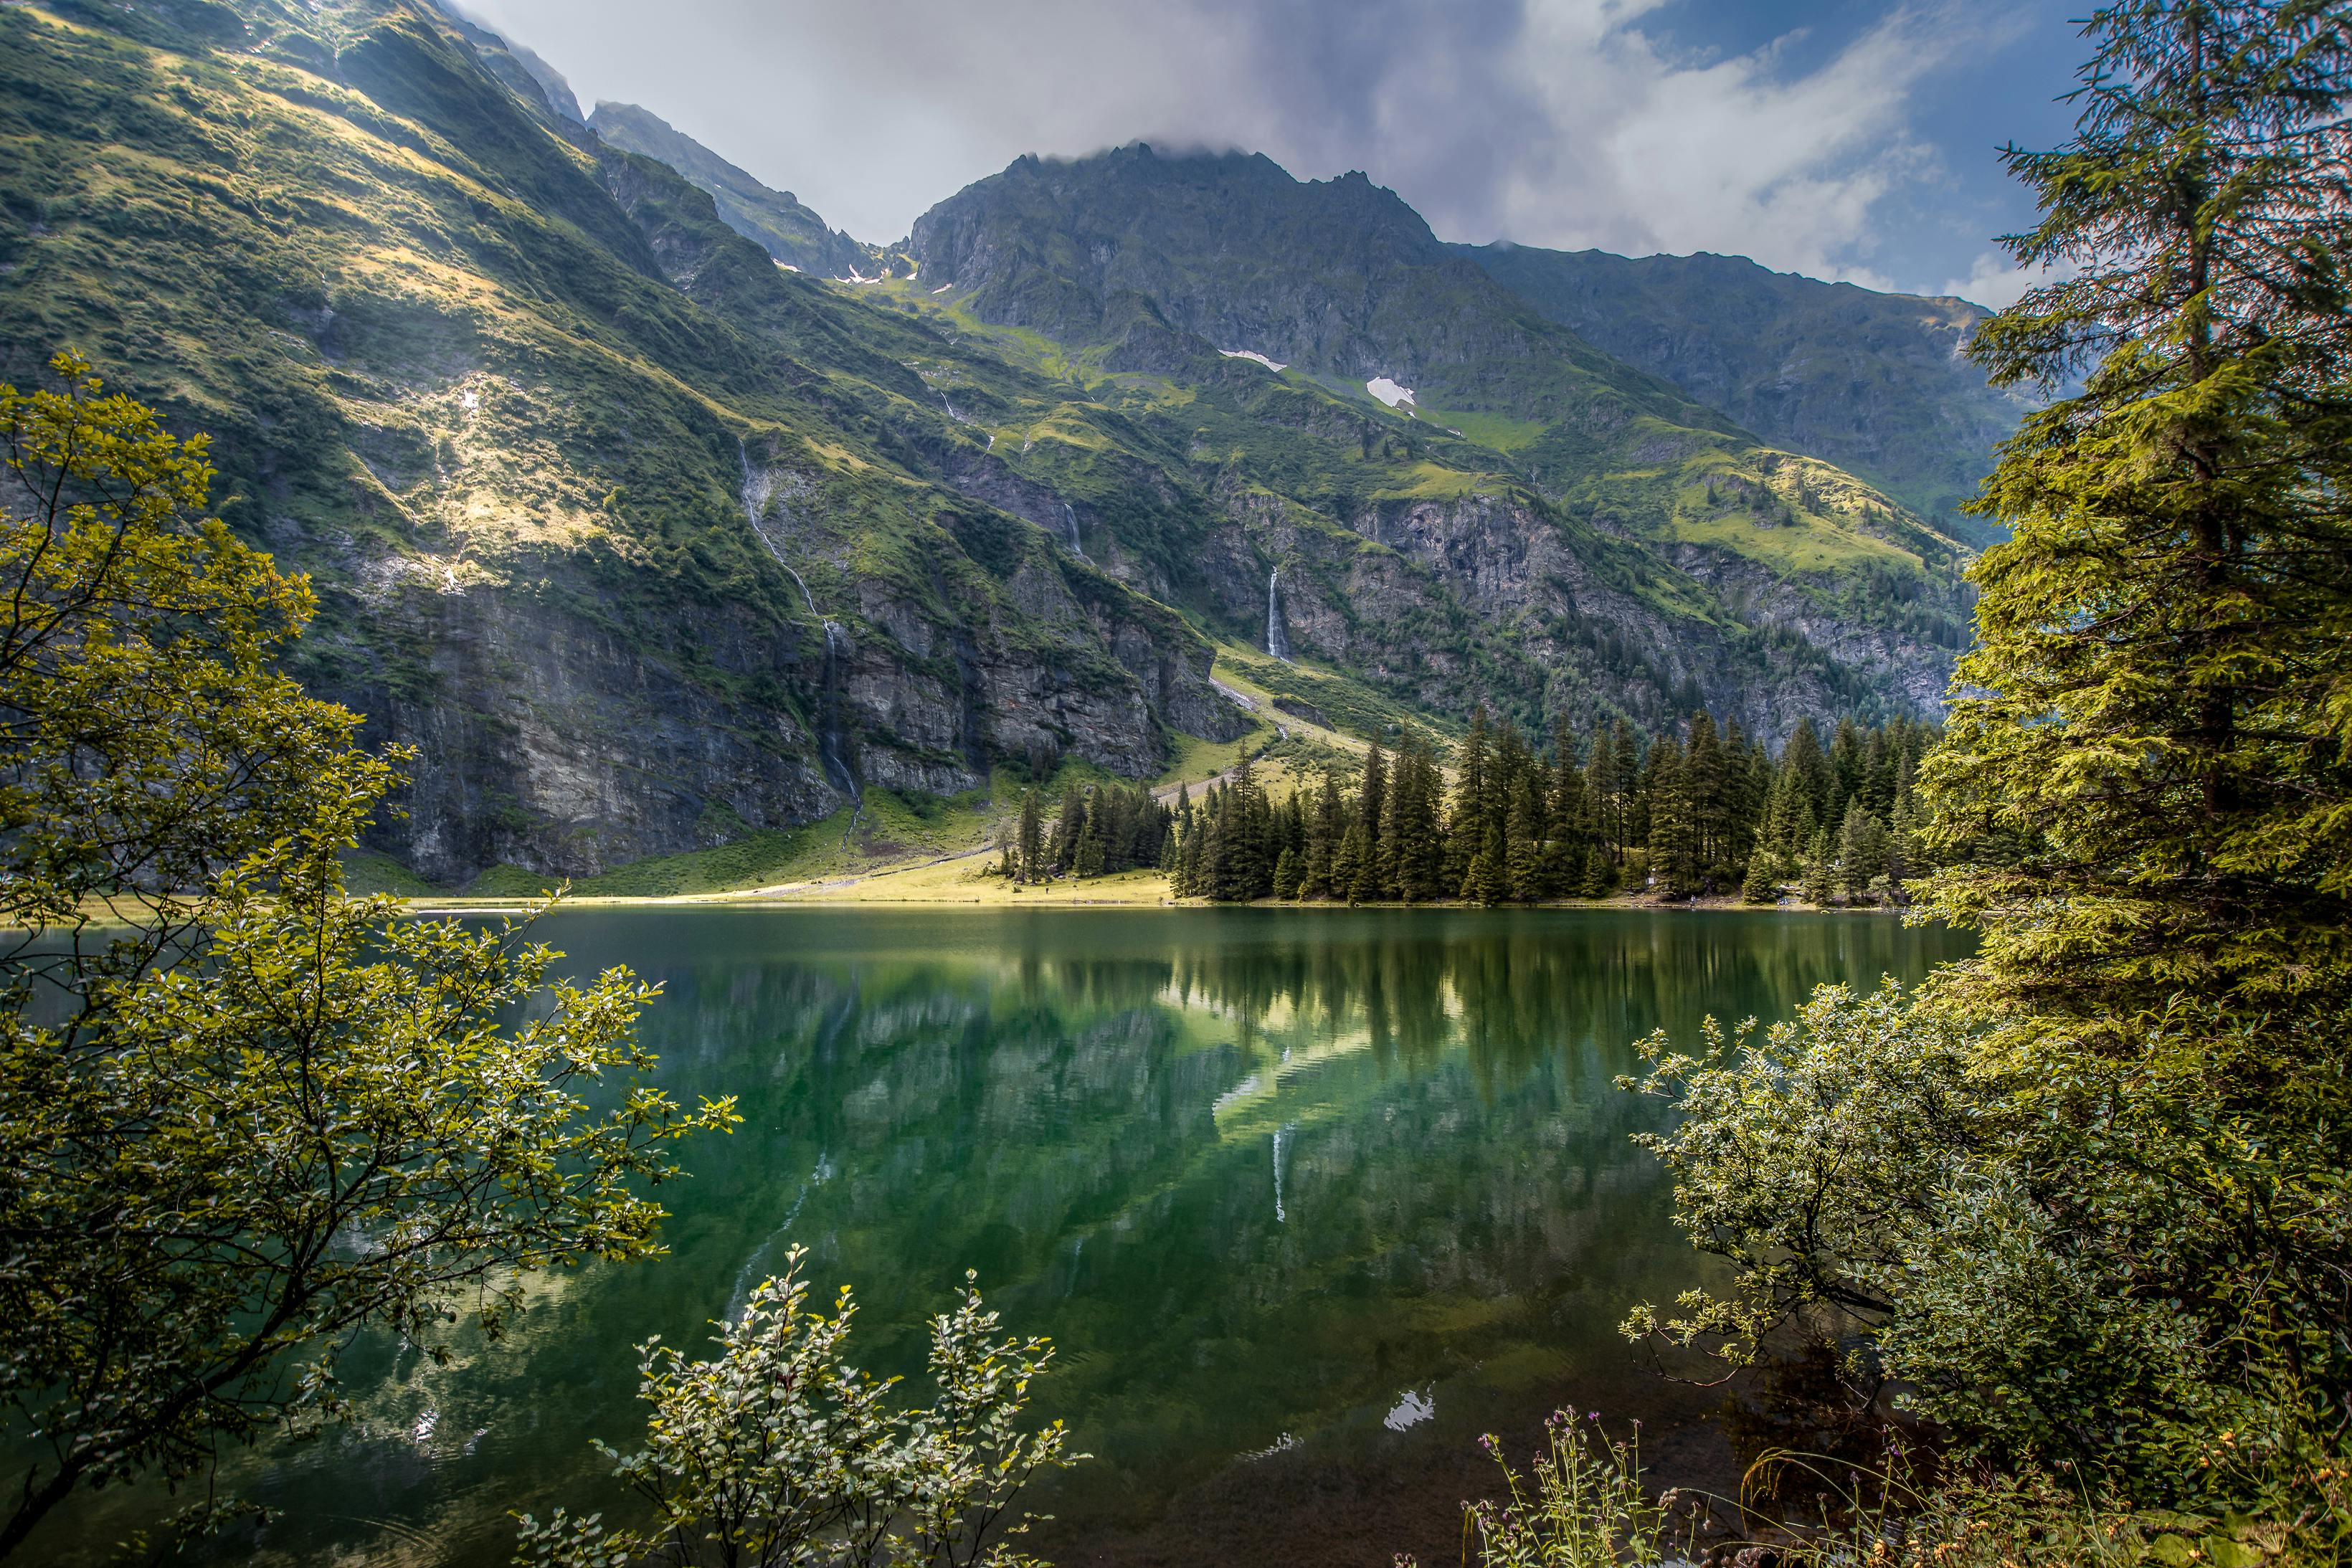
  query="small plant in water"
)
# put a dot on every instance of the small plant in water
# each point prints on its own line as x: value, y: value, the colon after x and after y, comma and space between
x: 775, y: 1452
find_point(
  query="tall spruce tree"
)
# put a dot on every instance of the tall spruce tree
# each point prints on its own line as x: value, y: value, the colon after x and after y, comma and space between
x: 1600, y: 788
x: 2155, y: 758
x: 1421, y: 849
x: 2088, y: 1200
x: 1323, y: 829
x: 1465, y: 823
x: 1032, y: 838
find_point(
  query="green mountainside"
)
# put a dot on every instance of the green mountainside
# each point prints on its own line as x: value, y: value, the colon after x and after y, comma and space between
x: 650, y: 545
x: 1874, y: 382
x: 775, y: 220
x: 1160, y: 268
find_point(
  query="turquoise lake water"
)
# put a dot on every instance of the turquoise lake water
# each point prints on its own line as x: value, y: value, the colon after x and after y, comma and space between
x: 1306, y: 1199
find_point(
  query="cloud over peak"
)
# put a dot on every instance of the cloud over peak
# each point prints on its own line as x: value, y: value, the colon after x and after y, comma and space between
x: 1567, y: 123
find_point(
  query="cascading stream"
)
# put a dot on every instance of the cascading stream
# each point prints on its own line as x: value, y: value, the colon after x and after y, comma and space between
x: 1070, y: 521
x: 759, y: 489
x: 1277, y: 637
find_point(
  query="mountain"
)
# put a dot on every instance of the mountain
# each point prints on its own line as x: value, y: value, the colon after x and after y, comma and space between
x: 608, y: 514
x: 1156, y: 265
x: 529, y: 78
x: 1876, y: 383
x: 775, y: 220
x: 648, y: 545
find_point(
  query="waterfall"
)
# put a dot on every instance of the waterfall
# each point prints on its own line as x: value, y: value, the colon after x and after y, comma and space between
x: 1279, y: 1217
x: 759, y: 489
x: 1277, y: 639
x: 1070, y: 521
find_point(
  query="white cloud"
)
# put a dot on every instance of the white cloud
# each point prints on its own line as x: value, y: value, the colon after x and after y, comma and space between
x: 1555, y: 122
x: 1996, y: 282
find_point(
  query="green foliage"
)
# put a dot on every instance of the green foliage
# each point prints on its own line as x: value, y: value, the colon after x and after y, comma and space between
x: 776, y: 1452
x: 242, y: 1117
x: 2148, y: 786
x: 151, y: 742
x: 1584, y: 1505
x: 2085, y: 1197
x: 1591, y: 1509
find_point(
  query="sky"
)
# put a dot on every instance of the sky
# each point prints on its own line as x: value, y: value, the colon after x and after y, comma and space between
x: 1848, y: 139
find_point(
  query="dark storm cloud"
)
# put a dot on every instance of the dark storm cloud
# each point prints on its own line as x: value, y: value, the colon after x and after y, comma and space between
x: 1559, y: 122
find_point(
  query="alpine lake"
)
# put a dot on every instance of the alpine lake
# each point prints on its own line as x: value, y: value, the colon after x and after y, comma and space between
x: 1307, y: 1200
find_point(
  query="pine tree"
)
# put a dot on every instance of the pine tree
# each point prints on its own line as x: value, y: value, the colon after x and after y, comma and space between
x: 1062, y: 846
x: 1599, y: 878
x: 1351, y: 868
x: 1386, y: 838
x: 1571, y: 824
x: 1674, y: 831
x: 1903, y: 842
x: 1421, y: 849
x: 1191, y: 860
x: 1760, y: 886
x: 1032, y: 839
x: 1372, y: 792
x: 1820, y: 880
x: 1707, y: 797
x: 1861, y: 850
x: 1323, y: 829
x: 2156, y: 755
x: 1802, y: 756
x: 1286, y: 873
x: 1602, y: 783
x: 1464, y: 829
x: 1527, y: 878
x: 1844, y: 769
x: 1088, y: 858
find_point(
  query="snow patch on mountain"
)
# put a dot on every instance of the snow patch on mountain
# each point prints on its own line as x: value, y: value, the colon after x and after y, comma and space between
x: 1253, y: 354
x: 1388, y: 391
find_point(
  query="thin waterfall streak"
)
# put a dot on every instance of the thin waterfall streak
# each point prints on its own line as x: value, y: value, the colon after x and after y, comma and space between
x: 1278, y: 636
x: 758, y: 490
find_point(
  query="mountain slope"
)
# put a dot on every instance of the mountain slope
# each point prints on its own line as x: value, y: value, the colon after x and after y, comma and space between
x: 775, y: 219
x: 1874, y: 383
x: 646, y: 544
x: 455, y: 377
x: 1146, y: 264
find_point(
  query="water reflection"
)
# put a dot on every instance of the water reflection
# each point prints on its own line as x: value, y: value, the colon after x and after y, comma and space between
x: 1307, y: 1201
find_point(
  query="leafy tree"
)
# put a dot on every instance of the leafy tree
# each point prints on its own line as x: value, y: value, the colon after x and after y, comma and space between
x: 776, y: 1452
x: 245, y: 1118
